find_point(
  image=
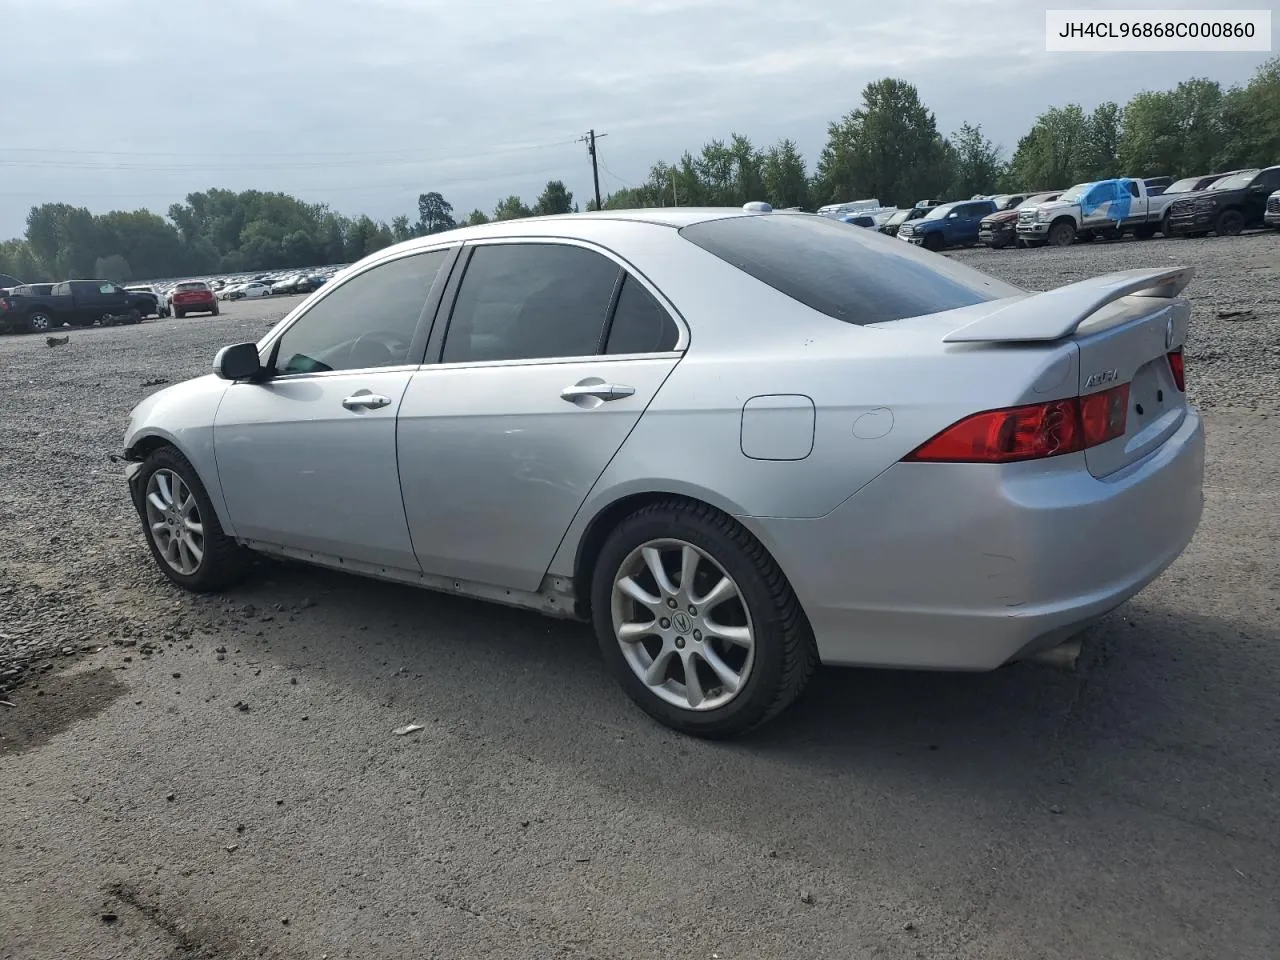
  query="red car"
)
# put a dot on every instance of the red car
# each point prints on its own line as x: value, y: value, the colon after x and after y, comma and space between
x: 192, y: 296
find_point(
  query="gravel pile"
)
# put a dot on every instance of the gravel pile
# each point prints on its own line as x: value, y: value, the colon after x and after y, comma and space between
x: 76, y: 575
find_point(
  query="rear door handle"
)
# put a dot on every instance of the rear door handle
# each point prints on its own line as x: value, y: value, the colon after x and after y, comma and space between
x: 599, y: 390
x: 364, y: 400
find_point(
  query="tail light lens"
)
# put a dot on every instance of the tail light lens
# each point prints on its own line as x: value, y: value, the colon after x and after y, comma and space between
x: 1032, y: 432
x: 1178, y: 367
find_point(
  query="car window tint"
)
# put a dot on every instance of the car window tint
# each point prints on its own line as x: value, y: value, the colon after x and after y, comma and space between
x: 526, y: 301
x: 640, y: 323
x: 857, y: 276
x: 369, y: 321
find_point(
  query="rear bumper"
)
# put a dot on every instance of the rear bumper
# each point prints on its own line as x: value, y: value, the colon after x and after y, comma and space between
x: 966, y: 567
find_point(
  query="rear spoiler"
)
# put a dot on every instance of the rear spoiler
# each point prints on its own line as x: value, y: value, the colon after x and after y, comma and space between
x: 1057, y: 313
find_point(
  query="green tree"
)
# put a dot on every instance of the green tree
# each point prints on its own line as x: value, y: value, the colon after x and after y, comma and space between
x: 511, y: 208
x: 401, y: 229
x: 888, y: 148
x: 782, y: 171
x: 477, y: 217
x: 114, y: 268
x: 978, y: 164
x: 1100, y: 152
x: 553, y: 199
x: 435, y: 214
x: 1053, y: 155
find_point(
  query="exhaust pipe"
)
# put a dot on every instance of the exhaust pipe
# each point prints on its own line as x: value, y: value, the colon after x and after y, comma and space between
x: 1063, y: 656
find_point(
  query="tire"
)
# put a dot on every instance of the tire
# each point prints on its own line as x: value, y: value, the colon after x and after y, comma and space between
x: 179, y: 314
x: 134, y: 317
x: 933, y: 241
x: 1164, y: 227
x: 776, y: 666
x: 1145, y: 232
x: 223, y: 561
x: 1229, y: 223
x: 214, y: 312
x: 1062, y: 234
x: 999, y: 244
x: 39, y: 321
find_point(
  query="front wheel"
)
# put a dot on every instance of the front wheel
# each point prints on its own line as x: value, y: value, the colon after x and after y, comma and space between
x: 1229, y: 223
x: 1062, y: 235
x: 181, y: 527
x: 214, y: 312
x: 697, y: 621
x: 179, y: 314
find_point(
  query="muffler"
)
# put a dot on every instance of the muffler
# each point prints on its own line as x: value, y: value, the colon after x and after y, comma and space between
x: 1063, y: 656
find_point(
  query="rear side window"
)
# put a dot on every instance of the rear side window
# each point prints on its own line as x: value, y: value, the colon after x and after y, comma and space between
x: 640, y: 324
x: 530, y: 301
x: 857, y: 276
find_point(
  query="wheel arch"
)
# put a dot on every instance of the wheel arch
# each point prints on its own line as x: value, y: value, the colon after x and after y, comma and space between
x: 147, y: 442
x: 586, y: 550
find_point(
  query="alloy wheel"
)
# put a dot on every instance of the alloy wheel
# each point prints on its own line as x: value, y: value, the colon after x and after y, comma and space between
x: 174, y: 523
x: 682, y: 624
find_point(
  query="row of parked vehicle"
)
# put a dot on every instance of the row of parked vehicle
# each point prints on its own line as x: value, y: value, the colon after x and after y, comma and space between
x: 37, y: 307
x: 1223, y: 203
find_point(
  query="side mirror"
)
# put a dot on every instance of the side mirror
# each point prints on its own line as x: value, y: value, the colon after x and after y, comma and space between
x: 239, y: 361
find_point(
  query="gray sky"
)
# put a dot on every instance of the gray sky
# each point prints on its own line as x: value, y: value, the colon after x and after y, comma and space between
x: 366, y: 103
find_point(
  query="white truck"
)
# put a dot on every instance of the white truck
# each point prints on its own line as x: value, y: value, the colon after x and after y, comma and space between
x: 1103, y: 208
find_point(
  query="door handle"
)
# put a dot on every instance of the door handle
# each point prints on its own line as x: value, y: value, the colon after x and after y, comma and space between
x: 600, y: 391
x: 365, y: 401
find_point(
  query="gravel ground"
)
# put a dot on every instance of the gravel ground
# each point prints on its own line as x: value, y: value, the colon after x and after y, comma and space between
x: 217, y: 776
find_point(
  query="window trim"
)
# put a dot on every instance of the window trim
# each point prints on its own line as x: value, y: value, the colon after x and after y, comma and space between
x: 268, y: 345
x: 440, y: 329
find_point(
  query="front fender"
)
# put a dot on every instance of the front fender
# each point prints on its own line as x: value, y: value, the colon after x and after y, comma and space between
x: 182, y: 416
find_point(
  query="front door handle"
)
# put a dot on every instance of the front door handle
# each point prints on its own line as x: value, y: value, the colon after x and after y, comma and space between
x: 364, y: 400
x: 594, y: 387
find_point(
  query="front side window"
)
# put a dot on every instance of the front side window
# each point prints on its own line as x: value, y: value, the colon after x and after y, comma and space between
x: 530, y: 301
x: 369, y: 321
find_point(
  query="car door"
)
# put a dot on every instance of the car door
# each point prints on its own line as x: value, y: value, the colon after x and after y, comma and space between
x: 307, y: 458
x: 1255, y: 197
x: 550, y: 355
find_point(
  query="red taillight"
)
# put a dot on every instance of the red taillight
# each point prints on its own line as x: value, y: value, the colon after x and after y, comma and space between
x: 1177, y: 365
x: 1032, y: 432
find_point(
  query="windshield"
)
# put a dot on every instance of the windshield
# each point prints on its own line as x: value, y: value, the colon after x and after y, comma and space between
x: 899, y: 217
x: 1001, y: 201
x: 1183, y: 186
x: 1236, y: 182
x: 938, y: 213
x: 1076, y: 192
x: 1036, y: 200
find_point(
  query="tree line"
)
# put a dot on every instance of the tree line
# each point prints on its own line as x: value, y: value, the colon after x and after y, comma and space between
x: 888, y: 147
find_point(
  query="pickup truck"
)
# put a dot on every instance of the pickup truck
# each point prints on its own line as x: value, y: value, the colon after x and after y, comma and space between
x: 79, y: 303
x: 948, y: 225
x: 1228, y: 206
x: 1105, y: 208
x: 1272, y: 215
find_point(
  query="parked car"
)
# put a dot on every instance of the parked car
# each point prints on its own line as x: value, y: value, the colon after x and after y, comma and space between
x: 1196, y: 184
x: 950, y: 225
x: 8, y: 282
x: 1227, y: 206
x: 998, y: 230
x: 192, y: 296
x: 858, y: 220
x: 250, y: 290
x: 1272, y: 215
x: 675, y: 424
x: 77, y: 303
x: 891, y: 225
x: 161, y: 307
x: 1104, y: 208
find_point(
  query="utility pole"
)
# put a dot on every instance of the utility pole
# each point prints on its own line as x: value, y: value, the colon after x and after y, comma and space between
x: 590, y: 141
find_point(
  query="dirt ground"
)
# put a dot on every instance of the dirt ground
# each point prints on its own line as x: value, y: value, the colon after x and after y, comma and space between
x: 218, y: 777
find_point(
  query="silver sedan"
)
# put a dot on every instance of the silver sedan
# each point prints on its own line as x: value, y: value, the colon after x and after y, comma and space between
x: 738, y: 442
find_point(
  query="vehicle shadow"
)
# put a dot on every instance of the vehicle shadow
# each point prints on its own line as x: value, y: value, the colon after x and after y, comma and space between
x: 1155, y: 695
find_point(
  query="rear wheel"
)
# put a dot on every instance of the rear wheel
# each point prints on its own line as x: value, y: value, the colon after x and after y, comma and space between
x: 181, y: 527
x: 1229, y: 223
x: 38, y: 321
x: 133, y: 316
x: 697, y: 621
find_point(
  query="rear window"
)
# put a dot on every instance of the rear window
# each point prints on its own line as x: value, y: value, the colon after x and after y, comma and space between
x: 857, y: 276
x: 195, y: 285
